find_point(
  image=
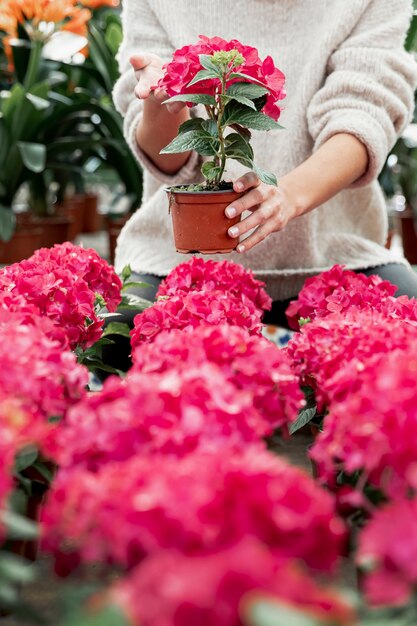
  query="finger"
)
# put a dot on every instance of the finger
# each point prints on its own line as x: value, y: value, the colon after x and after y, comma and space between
x: 247, y: 202
x: 175, y: 107
x: 143, y: 89
x: 140, y: 61
x: 259, y: 235
x: 258, y: 217
x: 247, y: 181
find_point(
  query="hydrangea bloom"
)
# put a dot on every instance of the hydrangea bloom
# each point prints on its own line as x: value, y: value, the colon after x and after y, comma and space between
x: 201, y: 275
x: 186, y: 63
x: 57, y: 293
x: 174, y: 412
x: 202, y: 501
x: 187, y: 311
x: 37, y: 371
x: 388, y: 554
x: 337, y: 291
x: 375, y: 431
x: 333, y: 353
x: 251, y: 363
x: 170, y: 588
x: 87, y: 264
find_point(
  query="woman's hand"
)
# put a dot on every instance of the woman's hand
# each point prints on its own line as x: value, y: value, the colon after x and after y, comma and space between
x: 271, y: 207
x: 148, y: 71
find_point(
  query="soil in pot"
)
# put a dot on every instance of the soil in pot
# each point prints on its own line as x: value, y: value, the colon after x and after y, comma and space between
x: 199, y: 222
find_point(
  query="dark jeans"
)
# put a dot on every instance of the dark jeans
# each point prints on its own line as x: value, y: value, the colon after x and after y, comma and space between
x: 118, y: 354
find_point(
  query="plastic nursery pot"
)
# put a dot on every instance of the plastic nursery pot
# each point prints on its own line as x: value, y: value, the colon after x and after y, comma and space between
x: 199, y: 221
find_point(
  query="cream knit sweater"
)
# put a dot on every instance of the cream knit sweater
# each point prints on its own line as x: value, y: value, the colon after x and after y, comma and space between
x: 346, y: 71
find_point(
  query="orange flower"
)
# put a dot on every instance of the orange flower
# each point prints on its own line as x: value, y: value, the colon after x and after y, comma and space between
x: 96, y: 4
x: 78, y: 22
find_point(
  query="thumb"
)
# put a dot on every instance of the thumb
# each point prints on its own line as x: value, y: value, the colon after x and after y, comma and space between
x: 140, y: 61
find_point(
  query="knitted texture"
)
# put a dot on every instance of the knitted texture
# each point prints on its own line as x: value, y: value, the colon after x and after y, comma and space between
x: 346, y: 70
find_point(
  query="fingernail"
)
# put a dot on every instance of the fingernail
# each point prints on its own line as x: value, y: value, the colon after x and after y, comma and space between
x: 231, y: 211
x: 239, y: 186
x: 241, y: 248
x: 234, y: 231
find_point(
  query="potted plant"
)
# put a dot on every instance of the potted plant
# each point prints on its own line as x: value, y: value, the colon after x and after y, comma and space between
x: 239, y: 92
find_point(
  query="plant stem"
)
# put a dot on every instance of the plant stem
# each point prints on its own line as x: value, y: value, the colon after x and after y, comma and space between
x: 32, y: 71
x: 220, y: 131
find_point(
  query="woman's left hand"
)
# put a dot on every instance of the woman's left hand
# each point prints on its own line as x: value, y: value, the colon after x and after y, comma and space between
x: 271, y: 207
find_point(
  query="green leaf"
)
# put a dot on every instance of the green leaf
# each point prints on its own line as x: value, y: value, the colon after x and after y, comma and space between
x: 126, y: 273
x: 131, y: 301
x: 109, y: 616
x: 304, y: 417
x: 19, y: 527
x: 14, y: 568
x: 237, y: 146
x: 40, y: 104
x: 236, y: 113
x: 273, y: 613
x: 195, y: 123
x: 247, y: 90
x: 210, y: 170
x: 206, y: 61
x: 129, y: 285
x: 117, y: 328
x: 25, y: 458
x: 7, y: 223
x: 195, y: 98
x: 203, y: 75
x: 113, y: 37
x: 266, y: 177
x: 33, y: 155
x: 246, y: 77
x: 201, y: 142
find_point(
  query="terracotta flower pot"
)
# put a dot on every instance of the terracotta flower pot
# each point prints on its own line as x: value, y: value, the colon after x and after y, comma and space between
x: 199, y: 221
x: 406, y: 228
x: 55, y: 229
x: 22, y: 245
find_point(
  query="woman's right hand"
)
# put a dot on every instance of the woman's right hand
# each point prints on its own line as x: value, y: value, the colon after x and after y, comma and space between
x: 148, y: 71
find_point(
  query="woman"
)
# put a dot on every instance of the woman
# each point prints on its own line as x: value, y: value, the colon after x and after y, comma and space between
x: 350, y: 88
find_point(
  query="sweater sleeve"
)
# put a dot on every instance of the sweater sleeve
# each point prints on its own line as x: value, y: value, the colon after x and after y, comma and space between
x: 143, y: 32
x: 369, y: 89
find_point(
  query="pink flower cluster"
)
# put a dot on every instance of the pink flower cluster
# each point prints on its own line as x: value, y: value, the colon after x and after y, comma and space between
x: 174, y: 413
x: 374, y: 431
x: 337, y: 291
x: 48, y: 283
x: 186, y: 64
x: 207, y: 276
x: 251, y: 363
x: 203, y: 292
x: 172, y: 588
x: 387, y: 553
x: 333, y: 353
x: 206, y: 501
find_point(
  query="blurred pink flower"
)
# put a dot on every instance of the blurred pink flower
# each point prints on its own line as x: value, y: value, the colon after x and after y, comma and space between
x: 203, y: 501
x: 216, y: 588
x: 387, y: 553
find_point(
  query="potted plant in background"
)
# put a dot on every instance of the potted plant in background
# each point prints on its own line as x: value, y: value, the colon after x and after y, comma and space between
x: 57, y: 123
x: 239, y: 92
x: 399, y: 175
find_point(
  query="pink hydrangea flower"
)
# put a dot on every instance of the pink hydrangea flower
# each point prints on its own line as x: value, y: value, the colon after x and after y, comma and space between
x: 387, y: 553
x: 175, y: 412
x: 87, y: 264
x: 374, y: 432
x: 333, y: 353
x: 54, y: 292
x: 37, y: 371
x: 250, y: 363
x: 171, y: 588
x: 337, y: 291
x: 201, y: 275
x: 187, y: 311
x: 186, y: 64
x: 204, y: 501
